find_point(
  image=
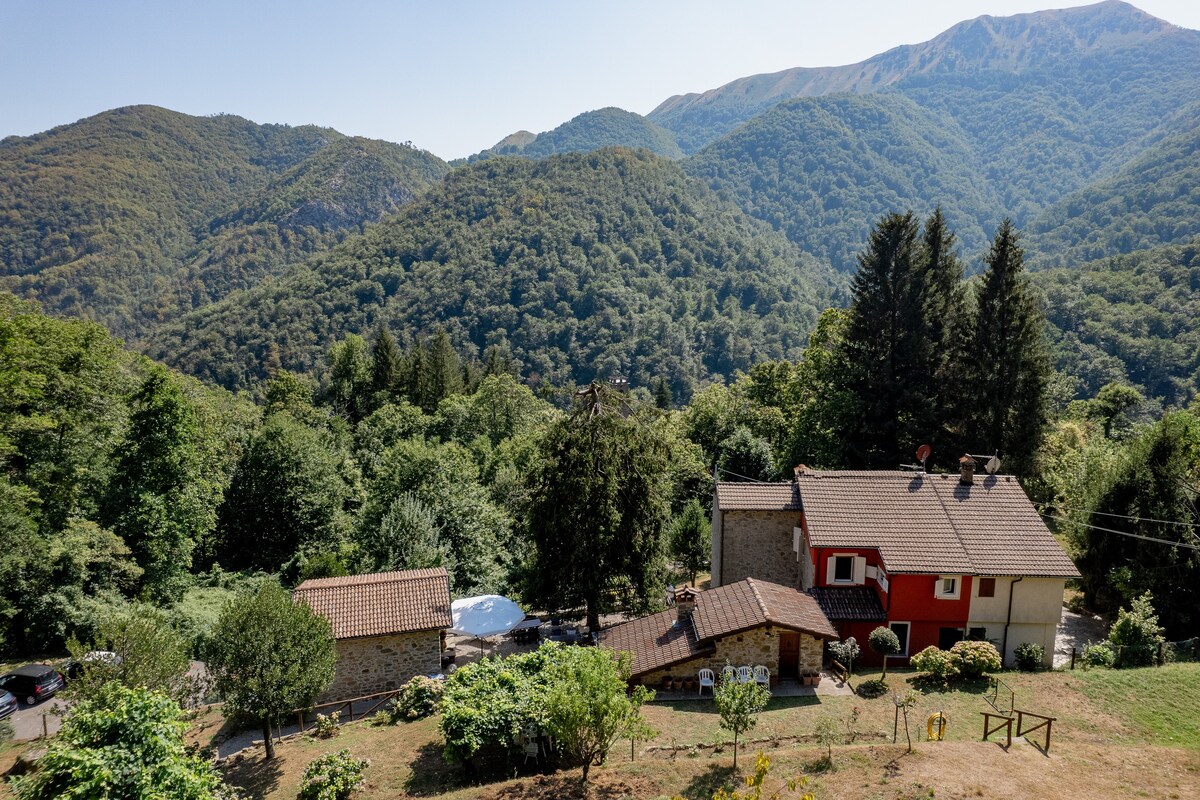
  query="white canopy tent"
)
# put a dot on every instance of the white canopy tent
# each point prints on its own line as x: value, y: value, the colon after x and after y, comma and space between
x: 483, y: 616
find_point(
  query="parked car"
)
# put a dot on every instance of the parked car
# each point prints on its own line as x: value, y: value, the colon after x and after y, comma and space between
x: 8, y: 703
x: 32, y: 683
x: 73, y: 667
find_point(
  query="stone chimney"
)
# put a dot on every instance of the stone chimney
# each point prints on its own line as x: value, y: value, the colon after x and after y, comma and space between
x: 799, y: 470
x: 685, y: 602
x: 966, y: 469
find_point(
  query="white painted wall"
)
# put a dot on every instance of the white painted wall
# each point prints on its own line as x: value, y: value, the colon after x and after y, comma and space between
x: 1036, y: 611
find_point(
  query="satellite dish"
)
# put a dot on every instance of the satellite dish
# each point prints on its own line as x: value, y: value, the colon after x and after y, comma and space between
x: 923, y: 452
x: 992, y: 465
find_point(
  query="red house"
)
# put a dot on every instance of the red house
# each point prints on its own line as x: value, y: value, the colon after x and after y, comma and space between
x: 938, y: 558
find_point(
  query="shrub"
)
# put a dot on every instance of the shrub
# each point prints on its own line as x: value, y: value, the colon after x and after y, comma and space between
x: 846, y: 651
x: 326, y: 727
x: 938, y: 664
x: 333, y: 776
x: 872, y: 688
x: 419, y: 698
x: 976, y: 658
x: 1029, y: 656
x: 1098, y: 654
x: 6, y: 731
x: 1135, y: 636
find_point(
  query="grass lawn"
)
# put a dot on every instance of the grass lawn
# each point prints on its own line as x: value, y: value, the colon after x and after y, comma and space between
x: 1118, y: 733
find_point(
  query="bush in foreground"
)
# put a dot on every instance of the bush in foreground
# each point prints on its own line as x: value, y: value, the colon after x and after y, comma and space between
x: 333, y: 776
x: 976, y: 658
x: 121, y: 743
x: 1029, y: 656
x: 941, y: 665
x: 419, y: 698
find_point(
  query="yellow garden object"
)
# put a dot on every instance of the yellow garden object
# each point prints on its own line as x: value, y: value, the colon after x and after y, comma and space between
x: 935, y: 726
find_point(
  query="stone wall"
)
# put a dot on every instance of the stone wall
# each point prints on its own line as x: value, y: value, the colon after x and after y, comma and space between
x: 758, y: 544
x: 752, y: 648
x: 381, y: 663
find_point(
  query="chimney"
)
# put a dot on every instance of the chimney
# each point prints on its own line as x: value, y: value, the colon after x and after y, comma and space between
x: 966, y: 468
x: 799, y: 470
x: 685, y: 602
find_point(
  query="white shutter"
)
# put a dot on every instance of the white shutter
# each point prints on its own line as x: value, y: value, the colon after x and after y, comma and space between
x: 860, y: 570
x: 872, y: 572
x: 796, y: 540
x: 830, y: 566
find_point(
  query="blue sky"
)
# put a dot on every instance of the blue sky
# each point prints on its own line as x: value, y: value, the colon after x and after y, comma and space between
x: 451, y: 77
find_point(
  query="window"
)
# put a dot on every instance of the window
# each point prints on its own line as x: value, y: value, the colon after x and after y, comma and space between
x: 977, y: 634
x: 987, y: 587
x: 843, y: 569
x: 947, y: 587
x: 901, y: 631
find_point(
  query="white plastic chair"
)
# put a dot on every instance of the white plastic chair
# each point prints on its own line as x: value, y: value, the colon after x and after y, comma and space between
x: 532, y: 750
x: 728, y: 673
x: 762, y: 675
x: 745, y: 675
x: 707, y: 678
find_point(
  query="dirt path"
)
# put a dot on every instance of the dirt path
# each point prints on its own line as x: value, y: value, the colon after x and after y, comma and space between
x: 1076, y: 630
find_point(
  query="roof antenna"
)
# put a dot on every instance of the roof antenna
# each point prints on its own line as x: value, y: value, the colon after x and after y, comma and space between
x: 923, y: 453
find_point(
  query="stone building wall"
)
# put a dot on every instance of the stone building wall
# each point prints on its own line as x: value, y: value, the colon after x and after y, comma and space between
x: 381, y: 663
x: 758, y: 544
x: 752, y: 648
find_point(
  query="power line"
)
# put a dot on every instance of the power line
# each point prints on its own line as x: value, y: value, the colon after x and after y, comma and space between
x: 1124, y: 516
x: 1122, y: 533
x: 743, y: 477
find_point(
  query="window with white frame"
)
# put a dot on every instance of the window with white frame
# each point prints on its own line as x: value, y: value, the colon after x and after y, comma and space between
x: 948, y: 587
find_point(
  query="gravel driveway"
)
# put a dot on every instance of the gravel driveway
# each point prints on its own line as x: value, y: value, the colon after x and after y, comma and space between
x: 1076, y: 630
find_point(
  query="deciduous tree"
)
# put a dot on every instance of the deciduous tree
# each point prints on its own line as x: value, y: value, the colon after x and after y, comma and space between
x: 269, y: 655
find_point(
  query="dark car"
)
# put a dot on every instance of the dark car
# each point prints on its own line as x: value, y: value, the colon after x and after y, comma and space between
x: 32, y: 683
x: 8, y: 703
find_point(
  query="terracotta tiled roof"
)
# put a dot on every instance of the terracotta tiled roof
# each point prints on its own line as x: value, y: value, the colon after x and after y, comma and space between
x: 382, y: 603
x: 932, y: 523
x: 659, y: 640
x: 653, y: 642
x: 750, y: 603
x: 859, y: 603
x: 758, y: 497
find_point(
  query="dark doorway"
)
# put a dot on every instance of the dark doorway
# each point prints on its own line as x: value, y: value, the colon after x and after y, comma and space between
x: 789, y: 654
x: 948, y: 637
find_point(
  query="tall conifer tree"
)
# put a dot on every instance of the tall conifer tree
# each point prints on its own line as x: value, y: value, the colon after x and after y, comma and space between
x: 948, y: 331
x: 442, y: 372
x: 887, y: 346
x: 1009, y: 359
x: 387, y: 367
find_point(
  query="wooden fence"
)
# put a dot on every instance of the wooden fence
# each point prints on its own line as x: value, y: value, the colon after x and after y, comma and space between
x: 374, y: 701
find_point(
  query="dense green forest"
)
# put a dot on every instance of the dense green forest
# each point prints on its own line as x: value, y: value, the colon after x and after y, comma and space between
x: 1132, y: 318
x: 1153, y: 200
x: 577, y: 266
x: 131, y: 215
x: 821, y: 169
x: 591, y: 130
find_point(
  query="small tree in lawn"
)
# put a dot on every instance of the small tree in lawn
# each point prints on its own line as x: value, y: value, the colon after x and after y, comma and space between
x: 884, y: 642
x: 588, y: 706
x: 828, y: 732
x: 740, y: 705
x: 269, y: 655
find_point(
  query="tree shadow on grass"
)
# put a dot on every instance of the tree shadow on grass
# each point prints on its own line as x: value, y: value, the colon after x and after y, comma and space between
x: 253, y: 774
x: 432, y: 774
x: 714, y: 777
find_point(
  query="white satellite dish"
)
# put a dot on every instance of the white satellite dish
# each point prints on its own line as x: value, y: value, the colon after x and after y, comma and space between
x: 992, y: 465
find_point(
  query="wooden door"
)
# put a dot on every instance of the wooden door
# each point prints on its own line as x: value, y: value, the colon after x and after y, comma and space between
x: 789, y: 654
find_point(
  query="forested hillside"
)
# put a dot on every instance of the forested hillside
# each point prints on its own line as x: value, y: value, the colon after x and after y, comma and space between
x: 577, y: 266
x: 99, y: 218
x: 822, y: 170
x: 1153, y: 200
x: 591, y: 130
x: 1130, y: 319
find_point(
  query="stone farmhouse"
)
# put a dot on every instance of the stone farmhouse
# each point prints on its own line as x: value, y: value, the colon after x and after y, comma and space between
x: 938, y: 558
x: 387, y: 627
x: 747, y: 623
